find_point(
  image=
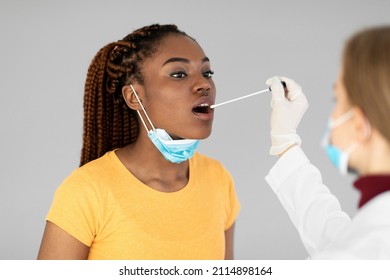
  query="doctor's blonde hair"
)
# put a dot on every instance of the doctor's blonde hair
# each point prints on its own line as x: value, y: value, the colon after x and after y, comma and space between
x: 366, y: 63
x: 108, y: 122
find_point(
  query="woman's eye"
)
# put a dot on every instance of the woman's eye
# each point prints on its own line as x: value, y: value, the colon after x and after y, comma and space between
x: 179, y: 75
x: 208, y: 74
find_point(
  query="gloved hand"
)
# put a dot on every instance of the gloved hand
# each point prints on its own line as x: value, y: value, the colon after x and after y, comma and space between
x: 286, y: 114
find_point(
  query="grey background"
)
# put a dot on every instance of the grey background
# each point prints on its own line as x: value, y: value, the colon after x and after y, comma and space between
x: 46, y: 47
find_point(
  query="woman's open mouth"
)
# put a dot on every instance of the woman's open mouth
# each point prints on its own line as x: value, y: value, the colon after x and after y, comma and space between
x: 203, y: 108
x: 203, y: 111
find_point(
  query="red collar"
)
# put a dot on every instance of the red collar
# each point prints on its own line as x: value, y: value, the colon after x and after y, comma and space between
x: 371, y: 186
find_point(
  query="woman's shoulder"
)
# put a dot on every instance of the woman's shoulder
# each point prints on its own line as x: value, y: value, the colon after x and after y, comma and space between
x: 93, y: 171
x: 103, y: 162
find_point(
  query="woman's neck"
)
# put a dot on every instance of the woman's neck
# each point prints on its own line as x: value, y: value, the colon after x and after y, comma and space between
x: 148, y: 165
x: 375, y: 158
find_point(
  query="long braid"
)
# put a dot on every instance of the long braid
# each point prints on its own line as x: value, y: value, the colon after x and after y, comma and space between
x: 108, y: 122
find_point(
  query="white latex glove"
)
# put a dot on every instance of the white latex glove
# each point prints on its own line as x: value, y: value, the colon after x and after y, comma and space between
x: 286, y: 114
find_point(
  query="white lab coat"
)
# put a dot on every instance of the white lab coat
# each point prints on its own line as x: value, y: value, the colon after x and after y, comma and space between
x: 326, y: 231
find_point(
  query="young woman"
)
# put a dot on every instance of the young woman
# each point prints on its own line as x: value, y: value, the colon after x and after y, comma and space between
x: 358, y: 139
x: 141, y: 191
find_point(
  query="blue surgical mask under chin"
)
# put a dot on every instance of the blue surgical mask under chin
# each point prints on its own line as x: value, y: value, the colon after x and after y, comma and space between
x: 175, y: 151
x: 338, y: 157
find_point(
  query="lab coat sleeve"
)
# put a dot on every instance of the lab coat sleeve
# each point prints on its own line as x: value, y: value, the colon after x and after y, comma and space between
x: 314, y: 211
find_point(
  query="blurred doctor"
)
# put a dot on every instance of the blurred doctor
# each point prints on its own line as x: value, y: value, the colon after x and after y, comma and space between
x: 358, y: 140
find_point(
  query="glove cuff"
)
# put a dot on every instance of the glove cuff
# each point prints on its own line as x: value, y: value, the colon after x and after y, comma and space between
x: 285, y: 141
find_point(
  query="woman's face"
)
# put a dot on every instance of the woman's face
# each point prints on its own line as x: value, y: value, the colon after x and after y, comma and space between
x: 179, y: 88
x: 342, y: 135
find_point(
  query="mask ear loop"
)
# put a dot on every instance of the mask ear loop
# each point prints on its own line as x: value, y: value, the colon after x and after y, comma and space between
x: 143, y: 109
x: 340, y: 120
x: 368, y: 128
x: 333, y: 124
x: 353, y: 147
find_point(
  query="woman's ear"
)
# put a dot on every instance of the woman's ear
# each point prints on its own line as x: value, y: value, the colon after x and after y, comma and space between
x: 130, y: 97
x: 362, y: 125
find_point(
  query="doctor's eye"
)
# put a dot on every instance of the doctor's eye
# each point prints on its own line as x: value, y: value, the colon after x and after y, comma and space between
x: 208, y: 74
x: 179, y: 75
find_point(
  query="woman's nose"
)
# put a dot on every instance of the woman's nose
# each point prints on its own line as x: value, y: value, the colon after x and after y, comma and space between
x: 202, y: 85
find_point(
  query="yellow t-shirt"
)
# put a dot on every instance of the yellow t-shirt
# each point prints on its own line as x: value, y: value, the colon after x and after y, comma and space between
x: 108, y: 209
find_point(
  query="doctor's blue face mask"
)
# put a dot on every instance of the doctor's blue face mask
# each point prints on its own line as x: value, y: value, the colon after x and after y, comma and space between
x: 175, y: 151
x: 337, y: 156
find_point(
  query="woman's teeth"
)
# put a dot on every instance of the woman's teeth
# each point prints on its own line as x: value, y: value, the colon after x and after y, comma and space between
x: 203, y: 108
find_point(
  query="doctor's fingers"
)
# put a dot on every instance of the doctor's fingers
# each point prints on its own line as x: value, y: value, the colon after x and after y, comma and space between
x: 294, y: 89
x: 276, y: 87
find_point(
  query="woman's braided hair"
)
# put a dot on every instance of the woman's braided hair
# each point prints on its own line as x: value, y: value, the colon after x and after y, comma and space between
x: 108, y: 122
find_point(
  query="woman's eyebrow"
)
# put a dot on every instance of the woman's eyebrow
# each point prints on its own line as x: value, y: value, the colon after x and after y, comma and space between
x: 181, y: 59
